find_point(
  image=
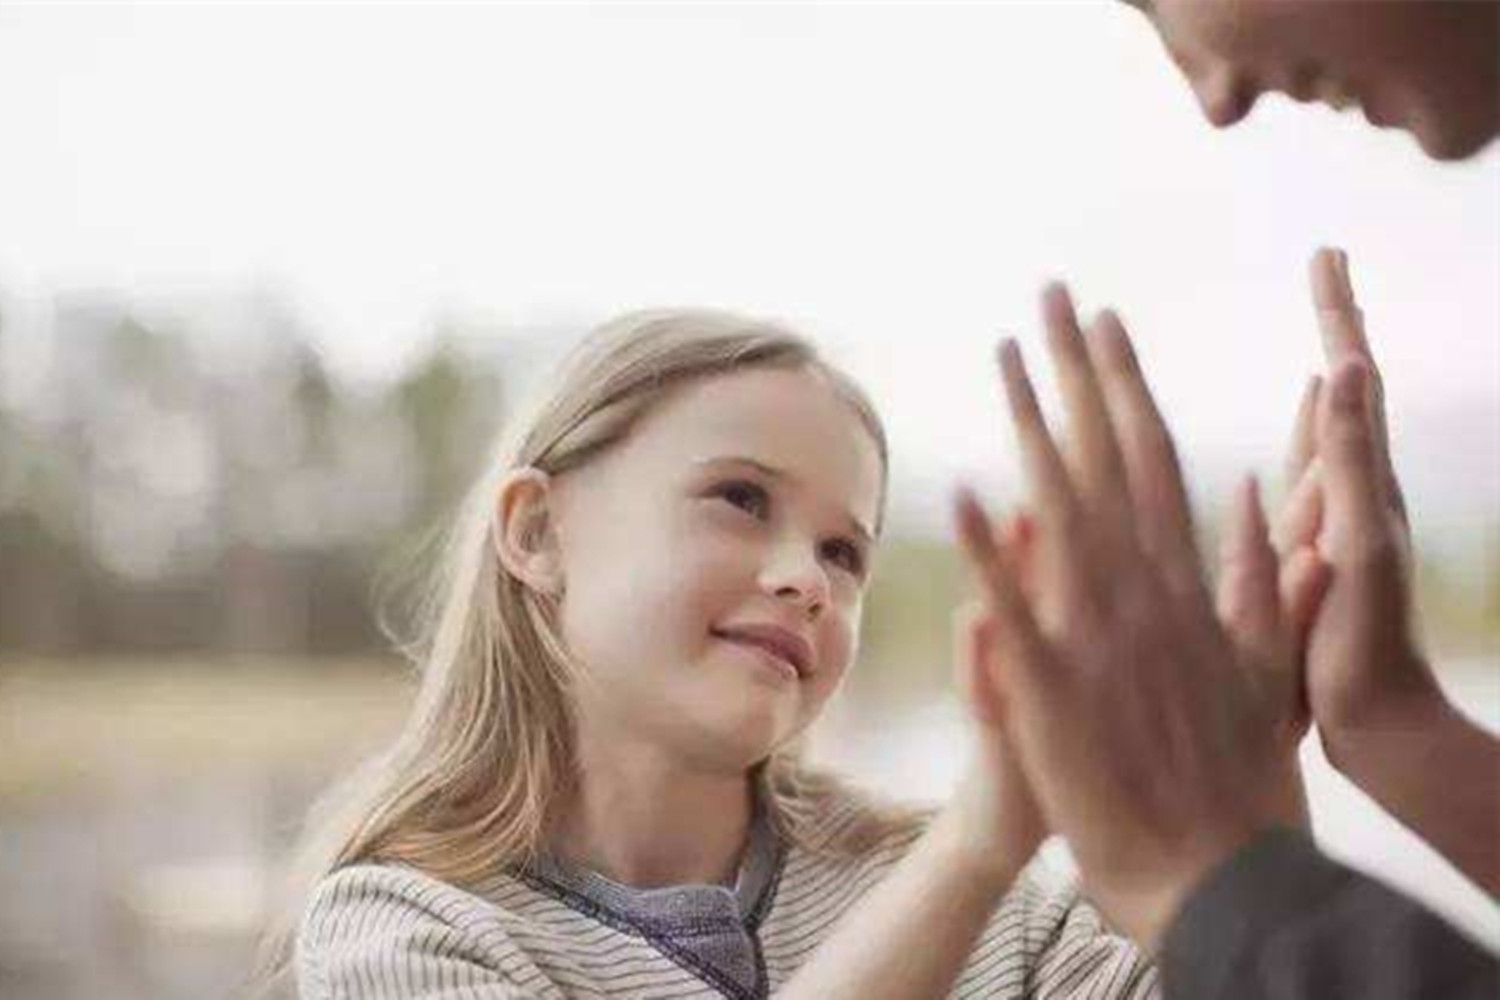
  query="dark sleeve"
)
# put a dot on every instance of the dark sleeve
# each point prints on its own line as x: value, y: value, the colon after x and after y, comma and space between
x: 1281, y: 920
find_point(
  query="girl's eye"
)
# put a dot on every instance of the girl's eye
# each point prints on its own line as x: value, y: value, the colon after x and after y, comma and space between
x: 747, y: 496
x: 847, y: 555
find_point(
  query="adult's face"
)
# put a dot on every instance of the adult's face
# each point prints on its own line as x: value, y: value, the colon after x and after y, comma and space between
x: 1430, y: 67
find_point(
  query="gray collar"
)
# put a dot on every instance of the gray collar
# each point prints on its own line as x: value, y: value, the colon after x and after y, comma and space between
x: 676, y: 903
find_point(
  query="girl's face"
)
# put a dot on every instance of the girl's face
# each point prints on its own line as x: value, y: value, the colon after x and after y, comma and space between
x: 715, y: 562
x: 1428, y: 67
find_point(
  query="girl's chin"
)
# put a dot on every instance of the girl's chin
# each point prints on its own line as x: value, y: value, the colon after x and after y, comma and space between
x: 762, y: 665
x: 743, y: 736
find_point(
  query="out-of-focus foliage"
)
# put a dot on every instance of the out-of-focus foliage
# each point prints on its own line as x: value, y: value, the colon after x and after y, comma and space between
x: 198, y: 480
x: 920, y: 581
x: 170, y: 487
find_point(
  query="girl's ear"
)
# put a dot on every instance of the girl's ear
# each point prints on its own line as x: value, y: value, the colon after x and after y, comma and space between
x: 525, y: 531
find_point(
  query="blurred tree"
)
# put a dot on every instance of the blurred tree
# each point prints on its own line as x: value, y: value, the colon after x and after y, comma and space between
x: 8, y: 444
x: 1490, y: 606
x: 908, y: 613
x: 177, y: 487
x: 316, y: 400
x: 450, y: 404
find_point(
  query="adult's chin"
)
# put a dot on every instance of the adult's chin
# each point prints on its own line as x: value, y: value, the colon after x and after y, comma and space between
x: 1452, y: 142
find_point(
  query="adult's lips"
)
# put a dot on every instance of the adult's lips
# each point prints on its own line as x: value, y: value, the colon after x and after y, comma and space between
x: 779, y: 642
x: 1374, y: 115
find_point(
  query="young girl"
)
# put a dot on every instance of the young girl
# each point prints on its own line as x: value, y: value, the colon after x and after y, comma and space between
x: 651, y: 595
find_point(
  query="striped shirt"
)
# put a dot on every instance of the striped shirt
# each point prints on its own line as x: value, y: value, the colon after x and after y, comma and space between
x: 385, y: 931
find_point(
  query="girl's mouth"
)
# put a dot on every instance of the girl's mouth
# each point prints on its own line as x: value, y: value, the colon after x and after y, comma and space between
x: 780, y: 648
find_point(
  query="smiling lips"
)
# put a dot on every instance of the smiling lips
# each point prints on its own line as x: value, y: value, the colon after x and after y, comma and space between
x: 1342, y: 98
x: 785, y: 645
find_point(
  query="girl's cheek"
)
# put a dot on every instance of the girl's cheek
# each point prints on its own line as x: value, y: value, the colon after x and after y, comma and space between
x: 714, y: 548
x: 841, y: 640
x: 709, y: 571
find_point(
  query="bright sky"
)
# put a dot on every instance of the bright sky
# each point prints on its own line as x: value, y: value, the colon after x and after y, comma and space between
x: 896, y: 181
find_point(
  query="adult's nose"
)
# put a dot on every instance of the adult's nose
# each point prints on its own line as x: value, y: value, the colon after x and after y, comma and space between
x: 1226, y: 97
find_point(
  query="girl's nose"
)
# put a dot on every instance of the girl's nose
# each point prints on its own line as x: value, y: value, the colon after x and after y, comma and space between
x: 797, y: 576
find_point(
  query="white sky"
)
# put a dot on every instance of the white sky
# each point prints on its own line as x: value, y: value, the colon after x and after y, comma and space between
x: 897, y: 181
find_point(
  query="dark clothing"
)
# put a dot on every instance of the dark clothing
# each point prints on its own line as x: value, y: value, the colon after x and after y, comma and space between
x: 1281, y: 920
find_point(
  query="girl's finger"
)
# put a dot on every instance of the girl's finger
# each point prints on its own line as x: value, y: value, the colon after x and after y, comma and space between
x: 1304, y: 582
x: 1163, y: 515
x: 1301, y: 516
x: 1255, y: 613
x: 1097, y: 464
x: 1304, y: 445
x: 1019, y: 539
x: 973, y: 645
x: 1018, y: 642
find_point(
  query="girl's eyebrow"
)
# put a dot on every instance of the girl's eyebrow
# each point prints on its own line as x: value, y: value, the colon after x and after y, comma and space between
x: 771, y: 472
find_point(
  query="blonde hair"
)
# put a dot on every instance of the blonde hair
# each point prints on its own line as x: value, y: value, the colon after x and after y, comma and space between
x: 468, y: 785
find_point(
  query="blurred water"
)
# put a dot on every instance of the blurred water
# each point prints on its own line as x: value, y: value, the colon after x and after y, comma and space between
x: 153, y: 889
x: 138, y: 868
x: 920, y: 754
x: 144, y: 808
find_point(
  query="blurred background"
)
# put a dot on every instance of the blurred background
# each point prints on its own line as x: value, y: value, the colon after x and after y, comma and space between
x: 271, y: 278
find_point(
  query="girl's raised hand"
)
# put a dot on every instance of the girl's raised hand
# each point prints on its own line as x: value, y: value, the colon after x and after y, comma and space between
x: 1383, y: 718
x: 994, y: 806
x: 1153, y: 735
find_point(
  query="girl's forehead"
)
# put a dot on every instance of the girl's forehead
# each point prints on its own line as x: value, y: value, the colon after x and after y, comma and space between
x: 792, y: 420
x: 774, y: 408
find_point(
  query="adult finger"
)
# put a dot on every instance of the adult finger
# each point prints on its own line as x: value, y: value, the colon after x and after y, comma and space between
x: 1097, y: 466
x: 1339, y: 317
x: 1249, y: 601
x: 1353, y: 475
x: 1340, y: 320
x: 1054, y: 501
x: 1304, y: 445
x: 1163, y: 515
x: 1342, y: 325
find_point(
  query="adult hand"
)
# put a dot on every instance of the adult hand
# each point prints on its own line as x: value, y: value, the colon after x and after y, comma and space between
x: 1153, y: 735
x: 1366, y: 673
